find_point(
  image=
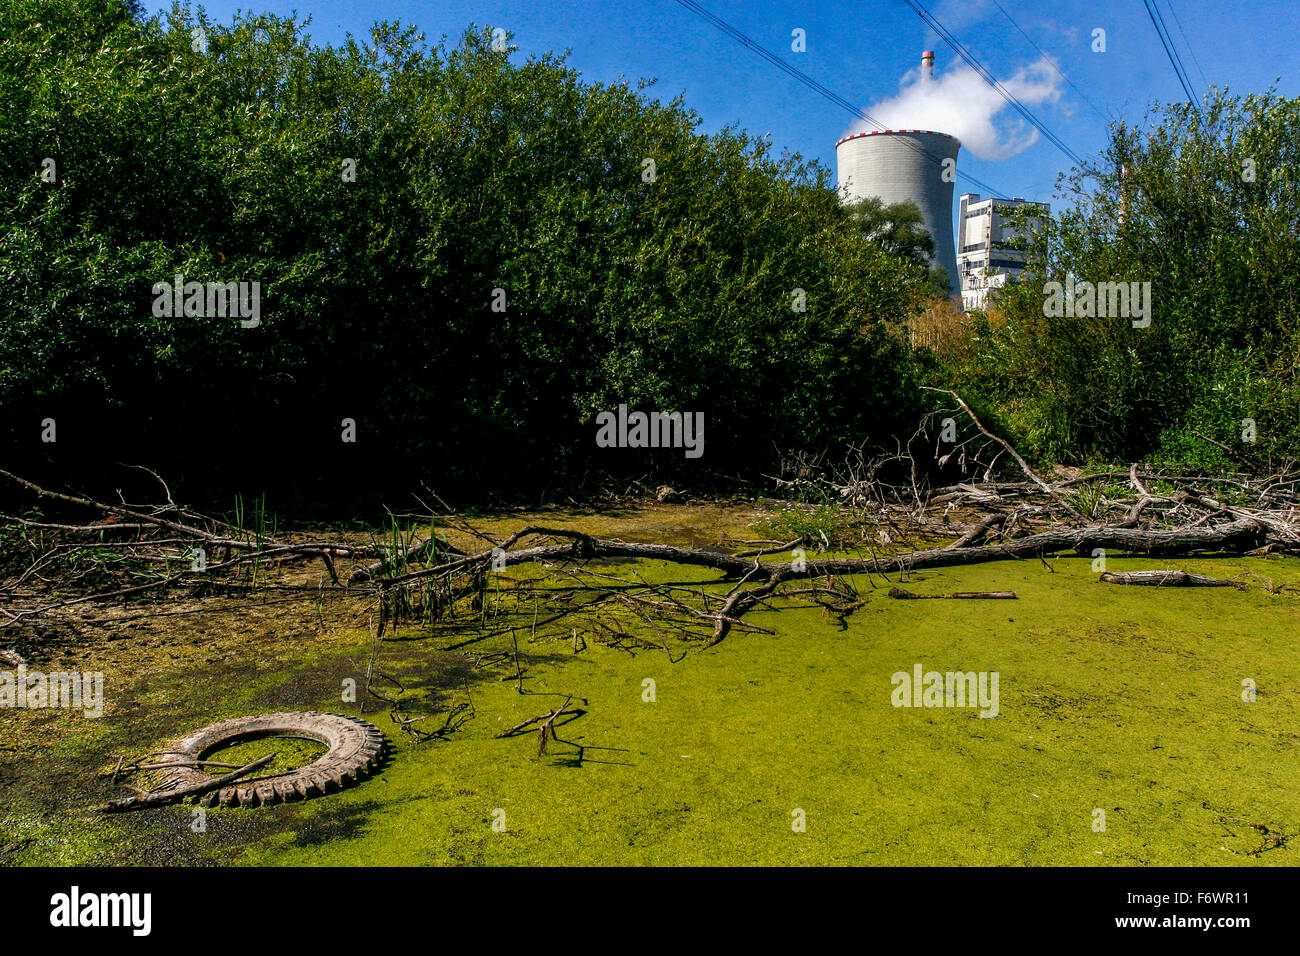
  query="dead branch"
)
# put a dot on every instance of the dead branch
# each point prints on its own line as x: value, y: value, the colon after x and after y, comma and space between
x: 141, y: 801
x: 904, y: 594
x: 1024, y: 465
x: 412, y: 555
x: 547, y: 728
x: 549, y: 716
x: 1167, y: 579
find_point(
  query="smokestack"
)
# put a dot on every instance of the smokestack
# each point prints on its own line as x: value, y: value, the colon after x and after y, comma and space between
x: 927, y: 65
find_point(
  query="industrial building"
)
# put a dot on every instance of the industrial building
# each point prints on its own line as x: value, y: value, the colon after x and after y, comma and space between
x: 989, y: 252
x: 920, y: 166
x: 905, y: 165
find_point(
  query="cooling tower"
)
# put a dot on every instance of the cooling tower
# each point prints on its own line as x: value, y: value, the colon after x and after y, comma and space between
x: 908, y: 164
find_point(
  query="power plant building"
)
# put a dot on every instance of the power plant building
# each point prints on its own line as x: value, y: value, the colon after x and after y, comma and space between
x: 910, y: 165
x: 989, y: 252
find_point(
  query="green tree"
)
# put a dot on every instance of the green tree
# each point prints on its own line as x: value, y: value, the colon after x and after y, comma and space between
x: 730, y: 281
x: 1208, y: 202
x: 900, y: 230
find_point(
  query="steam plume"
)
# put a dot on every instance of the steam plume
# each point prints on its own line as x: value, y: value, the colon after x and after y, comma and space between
x: 959, y: 102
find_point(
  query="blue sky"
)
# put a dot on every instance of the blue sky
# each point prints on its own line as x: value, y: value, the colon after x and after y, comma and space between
x: 862, y: 50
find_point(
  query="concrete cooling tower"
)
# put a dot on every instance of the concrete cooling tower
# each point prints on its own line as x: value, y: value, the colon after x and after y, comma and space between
x: 898, y: 165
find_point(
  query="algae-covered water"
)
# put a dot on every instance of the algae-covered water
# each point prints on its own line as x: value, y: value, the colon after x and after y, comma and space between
x: 1123, y: 735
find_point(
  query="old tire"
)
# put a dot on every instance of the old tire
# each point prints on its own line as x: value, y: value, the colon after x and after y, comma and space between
x: 357, y: 749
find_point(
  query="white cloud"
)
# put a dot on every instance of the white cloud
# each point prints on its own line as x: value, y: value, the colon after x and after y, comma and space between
x: 961, y: 103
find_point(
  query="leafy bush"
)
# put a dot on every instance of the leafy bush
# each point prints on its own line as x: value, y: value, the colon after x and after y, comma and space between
x: 1211, y: 222
x: 473, y: 173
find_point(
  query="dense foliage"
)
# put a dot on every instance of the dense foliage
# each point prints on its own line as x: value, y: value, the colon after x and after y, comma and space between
x: 220, y: 155
x: 519, y: 250
x: 1211, y: 219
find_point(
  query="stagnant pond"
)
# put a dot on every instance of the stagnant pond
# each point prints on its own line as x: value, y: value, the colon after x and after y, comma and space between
x: 1132, y: 726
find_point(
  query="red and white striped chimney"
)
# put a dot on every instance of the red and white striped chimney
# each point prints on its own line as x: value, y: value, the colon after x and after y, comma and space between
x: 927, y: 65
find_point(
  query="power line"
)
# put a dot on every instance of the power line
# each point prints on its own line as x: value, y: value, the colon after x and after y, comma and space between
x: 1155, y: 5
x: 1157, y: 21
x: 1186, y: 42
x: 829, y: 94
x: 1052, y: 63
x: 959, y: 48
x: 947, y: 37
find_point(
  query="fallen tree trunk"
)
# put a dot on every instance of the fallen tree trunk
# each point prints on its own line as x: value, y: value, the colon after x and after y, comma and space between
x: 1238, y: 536
x: 1167, y: 579
x: 1030, y: 520
x: 905, y: 595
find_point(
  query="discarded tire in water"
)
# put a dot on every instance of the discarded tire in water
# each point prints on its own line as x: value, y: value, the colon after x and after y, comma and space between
x: 357, y: 748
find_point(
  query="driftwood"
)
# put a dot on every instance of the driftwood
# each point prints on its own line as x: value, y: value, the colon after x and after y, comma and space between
x: 548, y: 728
x: 143, y: 801
x: 906, y: 595
x: 1167, y: 579
x: 1164, y: 514
x: 1006, y: 446
x: 548, y: 718
x: 1242, y: 535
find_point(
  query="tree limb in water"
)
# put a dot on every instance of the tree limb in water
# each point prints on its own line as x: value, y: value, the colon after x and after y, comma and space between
x: 1167, y: 579
x: 162, y: 798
